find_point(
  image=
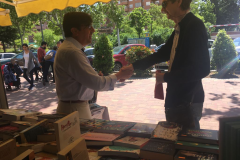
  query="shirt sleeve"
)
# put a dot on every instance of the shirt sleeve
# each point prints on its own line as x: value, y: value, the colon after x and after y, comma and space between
x: 79, y: 69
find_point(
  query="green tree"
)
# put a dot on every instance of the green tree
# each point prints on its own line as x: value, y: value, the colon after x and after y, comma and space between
x: 116, y: 14
x: 49, y: 37
x: 103, y: 60
x: 7, y: 35
x: 139, y: 18
x: 224, y: 54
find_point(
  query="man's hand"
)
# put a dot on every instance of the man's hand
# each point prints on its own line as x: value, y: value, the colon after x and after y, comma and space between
x: 159, y: 77
x: 129, y: 67
x: 124, y: 73
x: 40, y: 66
x: 100, y: 73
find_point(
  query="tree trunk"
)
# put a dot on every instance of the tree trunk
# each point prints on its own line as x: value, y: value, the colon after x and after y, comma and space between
x: 118, y: 36
x: 4, y: 48
x: 15, y: 46
x: 21, y: 36
x: 139, y: 35
x: 41, y: 29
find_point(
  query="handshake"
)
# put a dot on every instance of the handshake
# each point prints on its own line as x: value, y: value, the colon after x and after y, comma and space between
x: 125, y: 73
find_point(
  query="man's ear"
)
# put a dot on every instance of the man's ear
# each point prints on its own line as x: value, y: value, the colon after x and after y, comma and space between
x: 74, y: 31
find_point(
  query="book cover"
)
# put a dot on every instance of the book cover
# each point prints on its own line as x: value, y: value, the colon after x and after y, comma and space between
x: 27, y: 155
x: 17, y: 115
x: 9, y: 129
x: 45, y: 156
x: 116, y: 127
x: 74, y: 151
x: 91, y: 123
x: 4, y: 122
x: 99, y: 136
x: 8, y: 150
x: 199, y: 136
x: 132, y: 142
x: 36, y: 147
x: 51, y: 148
x: 160, y: 147
x: 30, y: 134
x: 93, y: 154
x: 190, y: 155
x: 166, y: 130
x: 67, y: 130
x: 47, y: 137
x: 198, y: 147
x: 50, y: 117
x: 142, y: 130
x: 119, y: 151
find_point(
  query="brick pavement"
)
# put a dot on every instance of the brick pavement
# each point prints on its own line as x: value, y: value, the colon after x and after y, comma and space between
x: 133, y: 100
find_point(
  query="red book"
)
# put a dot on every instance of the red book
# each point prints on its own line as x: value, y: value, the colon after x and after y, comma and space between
x: 158, y: 92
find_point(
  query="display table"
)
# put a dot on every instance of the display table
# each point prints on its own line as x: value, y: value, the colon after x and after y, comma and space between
x: 101, y: 113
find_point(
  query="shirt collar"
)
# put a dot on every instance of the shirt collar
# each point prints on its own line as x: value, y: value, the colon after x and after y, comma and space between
x: 75, y: 42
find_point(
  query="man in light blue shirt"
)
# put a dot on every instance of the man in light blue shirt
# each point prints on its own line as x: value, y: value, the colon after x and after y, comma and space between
x: 49, y: 62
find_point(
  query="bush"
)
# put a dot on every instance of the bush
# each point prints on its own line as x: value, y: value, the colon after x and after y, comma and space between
x: 137, y: 53
x: 224, y: 54
x: 103, y: 60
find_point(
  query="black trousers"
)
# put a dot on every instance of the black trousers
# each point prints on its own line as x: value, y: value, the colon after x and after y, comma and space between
x: 43, y: 64
x: 47, y: 65
x: 30, y: 81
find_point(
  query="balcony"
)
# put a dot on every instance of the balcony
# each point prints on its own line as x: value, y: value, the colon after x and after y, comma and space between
x: 123, y: 2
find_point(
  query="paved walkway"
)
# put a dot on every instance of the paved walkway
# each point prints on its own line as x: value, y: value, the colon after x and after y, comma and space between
x: 133, y: 100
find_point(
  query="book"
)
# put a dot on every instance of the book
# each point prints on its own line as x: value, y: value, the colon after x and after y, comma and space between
x: 27, y: 155
x: 156, y: 149
x: 198, y: 147
x: 9, y: 129
x: 199, y: 136
x: 158, y: 92
x: 115, y: 127
x: 93, y: 154
x: 99, y: 139
x: 4, y: 122
x: 95, y: 107
x: 51, y: 148
x: 167, y: 131
x: 4, y: 111
x: 190, y: 155
x: 131, y: 142
x: 67, y: 130
x: 142, y: 130
x: 22, y: 124
x: 36, y: 147
x: 75, y: 151
x: 91, y: 123
x: 45, y: 156
x: 17, y: 115
x: 50, y: 117
x: 33, y: 119
x: 30, y: 134
x: 8, y: 150
x: 119, y: 151
x: 47, y: 137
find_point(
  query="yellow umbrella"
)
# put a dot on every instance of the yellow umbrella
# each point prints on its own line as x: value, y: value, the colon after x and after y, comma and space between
x: 25, y: 7
x: 5, y: 17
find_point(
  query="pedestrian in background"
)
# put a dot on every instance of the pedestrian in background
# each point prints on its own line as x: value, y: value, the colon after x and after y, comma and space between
x: 41, y: 53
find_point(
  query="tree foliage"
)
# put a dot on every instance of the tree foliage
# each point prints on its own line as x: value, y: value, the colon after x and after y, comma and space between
x: 224, y: 53
x: 139, y: 18
x: 103, y: 60
x: 8, y: 35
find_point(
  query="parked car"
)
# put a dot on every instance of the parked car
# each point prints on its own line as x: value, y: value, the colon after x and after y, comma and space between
x: 90, y: 54
x: 164, y: 65
x: 16, y: 57
x: 119, y: 54
x: 237, y: 45
x: 4, y: 56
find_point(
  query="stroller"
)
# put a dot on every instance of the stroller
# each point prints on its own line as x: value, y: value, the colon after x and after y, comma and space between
x: 10, y: 78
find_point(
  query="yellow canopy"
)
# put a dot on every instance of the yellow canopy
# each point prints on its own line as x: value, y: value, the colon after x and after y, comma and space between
x: 5, y: 17
x: 25, y: 7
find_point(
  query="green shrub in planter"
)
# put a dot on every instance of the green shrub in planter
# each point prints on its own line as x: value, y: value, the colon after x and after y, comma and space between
x: 224, y: 54
x: 103, y: 60
x: 137, y: 53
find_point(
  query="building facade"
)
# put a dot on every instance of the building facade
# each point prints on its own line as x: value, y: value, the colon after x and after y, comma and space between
x: 131, y: 4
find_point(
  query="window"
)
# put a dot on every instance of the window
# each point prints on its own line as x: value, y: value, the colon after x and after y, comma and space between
x: 118, y: 2
x: 0, y: 56
x: 130, y: 0
x: 130, y: 6
x: 147, y: 3
x: 8, y: 55
x: 20, y: 56
x: 89, y: 52
x: 138, y: 4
